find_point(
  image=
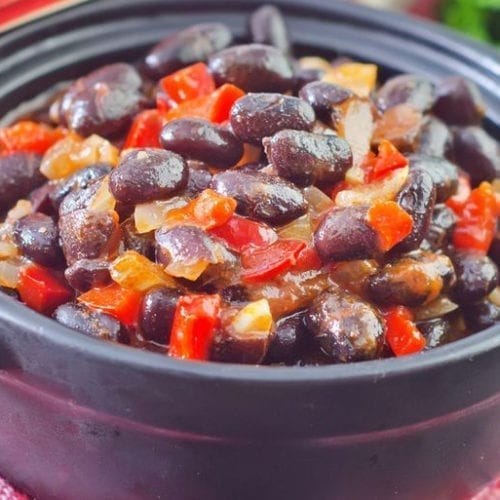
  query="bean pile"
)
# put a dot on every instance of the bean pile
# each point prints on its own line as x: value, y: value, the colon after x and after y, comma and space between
x: 235, y: 203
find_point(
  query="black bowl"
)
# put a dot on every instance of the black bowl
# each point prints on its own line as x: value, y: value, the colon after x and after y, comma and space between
x: 83, y: 419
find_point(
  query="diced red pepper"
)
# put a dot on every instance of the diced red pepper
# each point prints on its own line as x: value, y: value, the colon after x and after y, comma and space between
x: 457, y: 201
x: 145, y: 130
x: 30, y: 137
x: 402, y: 334
x: 240, y: 233
x: 391, y: 222
x: 476, y: 220
x: 41, y: 289
x: 387, y: 160
x: 196, y: 320
x: 215, y: 107
x: 208, y: 210
x: 308, y: 260
x: 261, y: 264
x: 184, y: 85
x: 122, y: 303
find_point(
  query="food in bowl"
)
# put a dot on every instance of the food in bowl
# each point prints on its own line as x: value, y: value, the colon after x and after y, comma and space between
x: 232, y: 203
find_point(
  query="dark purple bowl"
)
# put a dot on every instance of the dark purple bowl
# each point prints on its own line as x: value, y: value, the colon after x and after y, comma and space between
x: 83, y: 419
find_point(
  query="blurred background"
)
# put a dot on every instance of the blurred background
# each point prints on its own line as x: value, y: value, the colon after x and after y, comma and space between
x: 479, y: 19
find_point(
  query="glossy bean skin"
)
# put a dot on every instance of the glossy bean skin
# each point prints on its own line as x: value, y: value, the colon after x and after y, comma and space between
x: 252, y: 68
x: 435, y: 138
x: 411, y: 281
x: 260, y: 196
x: 256, y: 116
x: 477, y: 276
x: 481, y: 315
x: 477, y: 153
x: 344, y: 234
x: 437, y: 331
x: 417, y: 197
x: 345, y: 327
x: 458, y: 102
x: 267, y: 26
x: 78, y: 199
x: 198, y: 181
x: 443, y: 173
x: 37, y: 237
x: 143, y: 243
x: 92, y: 323
x: 303, y: 76
x: 323, y: 97
x: 440, y: 230
x: 306, y: 158
x: 41, y: 201
x: 103, y: 102
x: 157, y: 314
x: 85, y: 274
x: 201, y: 140
x: 148, y: 174
x: 186, y: 47
x: 19, y: 175
x: 415, y: 90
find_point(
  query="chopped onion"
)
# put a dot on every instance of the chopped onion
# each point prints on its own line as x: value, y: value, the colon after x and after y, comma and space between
x: 436, y: 309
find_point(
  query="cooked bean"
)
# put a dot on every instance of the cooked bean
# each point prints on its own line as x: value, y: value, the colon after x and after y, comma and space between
x: 40, y: 199
x: 185, y: 47
x: 345, y: 327
x: 437, y: 331
x: 85, y: 274
x: 157, y: 314
x: 78, y: 199
x: 477, y: 276
x: 267, y: 26
x: 494, y: 252
x: 443, y: 173
x: 103, y: 102
x: 92, y: 323
x: 37, y: 236
x: 235, y: 294
x: 198, y: 181
x: 458, y: 102
x: 252, y: 68
x: 303, y: 76
x: 201, y: 140
x: 441, y: 227
x: 256, y: 116
x: 411, y: 281
x: 143, y: 243
x: 305, y: 158
x: 477, y: 153
x: 19, y: 175
x: 417, y: 197
x: 415, y: 90
x: 261, y: 196
x: 481, y: 315
x: 435, y: 138
x: 148, y: 174
x: 323, y: 96
x: 344, y: 234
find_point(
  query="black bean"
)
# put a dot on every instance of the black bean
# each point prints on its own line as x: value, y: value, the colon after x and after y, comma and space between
x: 260, y: 196
x: 78, y: 199
x: 85, y: 274
x: 143, y: 243
x: 267, y: 26
x: 344, y: 234
x: 441, y: 227
x: 345, y: 327
x: 323, y: 97
x: 303, y: 76
x: 437, y: 331
x: 148, y: 174
x: 306, y: 158
x: 494, y: 252
x: 19, y: 175
x: 256, y: 116
x: 252, y: 68
x: 37, y: 236
x: 415, y: 90
x: 477, y: 153
x: 417, y: 197
x: 458, y: 102
x: 201, y: 140
x: 411, y: 281
x: 435, y: 138
x: 92, y: 323
x: 443, y: 173
x: 481, y: 315
x: 40, y: 199
x: 186, y: 47
x: 103, y: 102
x: 199, y: 180
x: 157, y: 314
x: 235, y: 293
x: 477, y: 276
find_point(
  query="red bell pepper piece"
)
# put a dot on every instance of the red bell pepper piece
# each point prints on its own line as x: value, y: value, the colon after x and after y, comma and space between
x: 145, y: 130
x: 41, y: 289
x: 196, y: 320
x: 262, y: 264
x: 457, y: 201
x: 391, y: 222
x: 184, y: 85
x: 122, y: 303
x: 476, y: 220
x: 30, y: 137
x: 240, y: 233
x: 401, y: 333
x: 387, y: 160
x: 308, y: 260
